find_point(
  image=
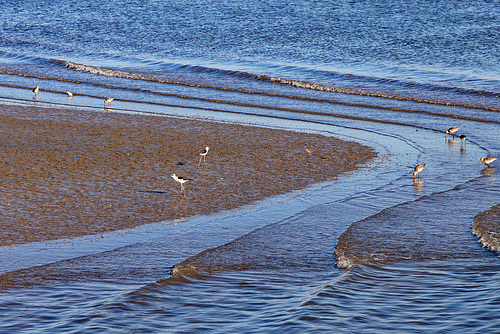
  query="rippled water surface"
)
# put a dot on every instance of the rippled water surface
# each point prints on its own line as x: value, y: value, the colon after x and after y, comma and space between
x: 375, y: 251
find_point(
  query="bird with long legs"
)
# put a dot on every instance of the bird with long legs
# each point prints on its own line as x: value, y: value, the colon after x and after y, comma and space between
x: 488, y: 161
x: 108, y: 100
x: 36, y: 89
x: 452, y: 131
x: 417, y: 170
x: 203, y: 155
x: 181, y: 180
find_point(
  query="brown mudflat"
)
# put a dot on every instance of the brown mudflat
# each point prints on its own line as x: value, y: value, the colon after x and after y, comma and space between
x: 69, y: 173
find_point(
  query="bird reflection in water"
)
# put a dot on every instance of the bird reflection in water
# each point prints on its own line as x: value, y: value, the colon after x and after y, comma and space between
x: 452, y: 143
x: 418, y: 186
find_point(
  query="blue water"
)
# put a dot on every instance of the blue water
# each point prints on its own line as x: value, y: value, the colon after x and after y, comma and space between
x: 374, y: 252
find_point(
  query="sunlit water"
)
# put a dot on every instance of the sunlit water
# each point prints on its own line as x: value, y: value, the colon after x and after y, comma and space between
x: 374, y: 251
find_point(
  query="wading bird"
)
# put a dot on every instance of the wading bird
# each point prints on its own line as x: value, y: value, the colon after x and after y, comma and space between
x: 36, y: 89
x: 70, y: 94
x: 462, y: 139
x: 181, y: 180
x: 418, y: 169
x: 108, y: 100
x: 452, y: 131
x: 488, y: 161
x: 203, y: 155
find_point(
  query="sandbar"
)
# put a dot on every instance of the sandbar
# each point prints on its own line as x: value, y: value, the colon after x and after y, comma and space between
x: 68, y: 173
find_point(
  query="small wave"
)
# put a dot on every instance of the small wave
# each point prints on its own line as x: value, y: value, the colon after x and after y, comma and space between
x: 413, y: 231
x: 138, y: 76
x: 181, y: 272
x: 11, y: 58
x: 486, y: 227
x: 296, y: 83
x: 326, y: 88
x: 319, y: 113
x: 112, y: 73
x: 349, y: 77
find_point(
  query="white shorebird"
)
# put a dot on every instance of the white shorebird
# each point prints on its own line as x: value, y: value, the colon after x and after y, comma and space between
x: 418, y: 169
x: 203, y: 155
x: 452, y: 131
x: 108, y: 100
x: 487, y: 160
x: 181, y: 180
x: 70, y: 94
x: 36, y: 89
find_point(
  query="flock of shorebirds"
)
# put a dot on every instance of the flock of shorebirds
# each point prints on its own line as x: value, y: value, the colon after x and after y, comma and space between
x: 107, y: 101
x: 452, y: 131
x: 416, y: 173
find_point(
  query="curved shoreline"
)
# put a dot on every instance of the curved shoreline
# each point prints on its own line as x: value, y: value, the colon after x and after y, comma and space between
x: 73, y: 173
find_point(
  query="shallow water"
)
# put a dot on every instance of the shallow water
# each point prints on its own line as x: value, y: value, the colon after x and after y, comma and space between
x: 389, y: 75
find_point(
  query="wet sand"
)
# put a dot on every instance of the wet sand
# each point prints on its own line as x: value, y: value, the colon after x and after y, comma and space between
x: 69, y: 173
x: 486, y: 227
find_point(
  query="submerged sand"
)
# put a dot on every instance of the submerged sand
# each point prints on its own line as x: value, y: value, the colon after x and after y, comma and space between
x: 69, y: 173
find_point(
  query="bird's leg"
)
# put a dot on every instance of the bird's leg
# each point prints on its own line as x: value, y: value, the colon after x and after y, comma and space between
x: 205, y: 161
x: 199, y: 163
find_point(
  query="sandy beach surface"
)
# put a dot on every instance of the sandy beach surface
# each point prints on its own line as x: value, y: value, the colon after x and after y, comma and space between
x: 69, y: 173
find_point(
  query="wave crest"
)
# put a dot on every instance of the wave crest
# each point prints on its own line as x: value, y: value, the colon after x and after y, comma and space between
x: 486, y: 227
x: 275, y: 80
x: 110, y: 73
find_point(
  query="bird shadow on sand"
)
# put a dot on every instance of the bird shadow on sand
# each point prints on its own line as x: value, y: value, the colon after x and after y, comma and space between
x: 153, y: 191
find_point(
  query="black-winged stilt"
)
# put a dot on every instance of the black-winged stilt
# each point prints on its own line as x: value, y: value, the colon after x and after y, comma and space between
x: 36, y: 89
x: 203, y: 155
x: 181, y: 180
